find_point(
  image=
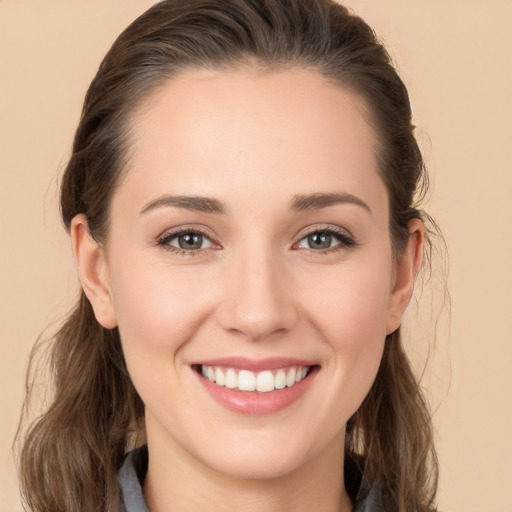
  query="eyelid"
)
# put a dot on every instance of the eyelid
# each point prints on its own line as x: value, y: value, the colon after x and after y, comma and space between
x: 175, y: 237
x: 345, y: 237
x: 164, y: 238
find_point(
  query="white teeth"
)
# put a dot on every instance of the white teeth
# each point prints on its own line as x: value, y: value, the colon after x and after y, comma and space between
x: 265, y: 382
x: 245, y: 380
x: 231, y: 379
x: 280, y: 379
x: 219, y: 377
x: 290, y: 378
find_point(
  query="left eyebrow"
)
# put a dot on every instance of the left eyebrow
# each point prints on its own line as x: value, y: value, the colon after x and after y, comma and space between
x: 304, y: 202
x: 194, y: 203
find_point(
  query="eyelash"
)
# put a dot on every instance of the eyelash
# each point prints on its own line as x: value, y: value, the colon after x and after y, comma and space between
x: 164, y: 241
x: 345, y: 241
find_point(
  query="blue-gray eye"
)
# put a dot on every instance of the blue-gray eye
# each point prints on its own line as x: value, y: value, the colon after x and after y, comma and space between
x: 322, y: 240
x: 190, y: 241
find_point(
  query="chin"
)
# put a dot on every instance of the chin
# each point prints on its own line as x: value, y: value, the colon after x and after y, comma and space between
x: 259, y: 466
x: 266, y: 456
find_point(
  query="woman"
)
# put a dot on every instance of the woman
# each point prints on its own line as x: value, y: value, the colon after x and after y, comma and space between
x: 241, y: 200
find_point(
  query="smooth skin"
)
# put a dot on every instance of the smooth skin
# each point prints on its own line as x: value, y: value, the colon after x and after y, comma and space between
x: 256, y: 282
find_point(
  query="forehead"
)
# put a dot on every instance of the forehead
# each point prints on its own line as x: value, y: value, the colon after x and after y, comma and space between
x: 252, y: 130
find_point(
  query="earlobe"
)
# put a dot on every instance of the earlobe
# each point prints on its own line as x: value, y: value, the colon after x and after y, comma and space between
x: 92, y: 270
x: 407, y: 268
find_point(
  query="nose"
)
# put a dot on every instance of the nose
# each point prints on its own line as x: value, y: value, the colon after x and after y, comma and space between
x: 258, y: 298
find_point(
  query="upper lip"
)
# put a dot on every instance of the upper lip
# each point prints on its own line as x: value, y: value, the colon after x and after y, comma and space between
x: 255, y: 365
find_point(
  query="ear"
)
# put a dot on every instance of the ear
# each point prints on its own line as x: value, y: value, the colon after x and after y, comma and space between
x: 406, y: 270
x: 93, y: 272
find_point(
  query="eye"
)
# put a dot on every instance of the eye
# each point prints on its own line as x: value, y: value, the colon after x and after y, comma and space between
x: 187, y: 241
x: 325, y: 239
x: 191, y: 241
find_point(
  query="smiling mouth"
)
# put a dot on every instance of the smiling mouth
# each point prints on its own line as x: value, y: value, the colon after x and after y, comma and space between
x: 245, y: 380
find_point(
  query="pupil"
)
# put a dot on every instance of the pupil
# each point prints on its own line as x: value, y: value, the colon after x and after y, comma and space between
x: 319, y: 240
x: 190, y: 241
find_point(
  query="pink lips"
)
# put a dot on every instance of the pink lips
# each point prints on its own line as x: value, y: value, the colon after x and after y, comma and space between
x: 254, y: 402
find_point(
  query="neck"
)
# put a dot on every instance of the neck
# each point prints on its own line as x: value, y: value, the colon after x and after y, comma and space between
x: 178, y: 482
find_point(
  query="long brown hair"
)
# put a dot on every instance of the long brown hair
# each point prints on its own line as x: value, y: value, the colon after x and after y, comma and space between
x: 71, y: 454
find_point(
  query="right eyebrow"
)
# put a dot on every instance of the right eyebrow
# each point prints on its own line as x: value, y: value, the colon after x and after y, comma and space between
x: 194, y: 203
x: 316, y: 201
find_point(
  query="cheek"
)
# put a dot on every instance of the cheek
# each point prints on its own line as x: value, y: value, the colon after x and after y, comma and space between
x: 350, y: 306
x: 350, y: 314
x: 157, y: 310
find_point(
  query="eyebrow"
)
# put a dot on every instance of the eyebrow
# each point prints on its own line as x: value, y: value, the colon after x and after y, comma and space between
x: 304, y: 202
x: 194, y: 203
x: 299, y: 203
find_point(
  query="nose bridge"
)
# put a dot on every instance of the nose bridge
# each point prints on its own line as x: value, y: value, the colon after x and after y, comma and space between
x: 257, y: 302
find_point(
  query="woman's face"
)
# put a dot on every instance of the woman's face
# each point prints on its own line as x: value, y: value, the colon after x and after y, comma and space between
x: 249, y: 242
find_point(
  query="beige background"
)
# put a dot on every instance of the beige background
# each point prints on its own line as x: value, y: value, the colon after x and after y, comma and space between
x: 455, y: 56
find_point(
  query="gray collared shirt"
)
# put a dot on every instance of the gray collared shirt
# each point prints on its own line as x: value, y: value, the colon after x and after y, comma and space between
x: 133, y: 472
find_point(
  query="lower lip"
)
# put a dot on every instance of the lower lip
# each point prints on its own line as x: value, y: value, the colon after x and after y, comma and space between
x: 255, y: 403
